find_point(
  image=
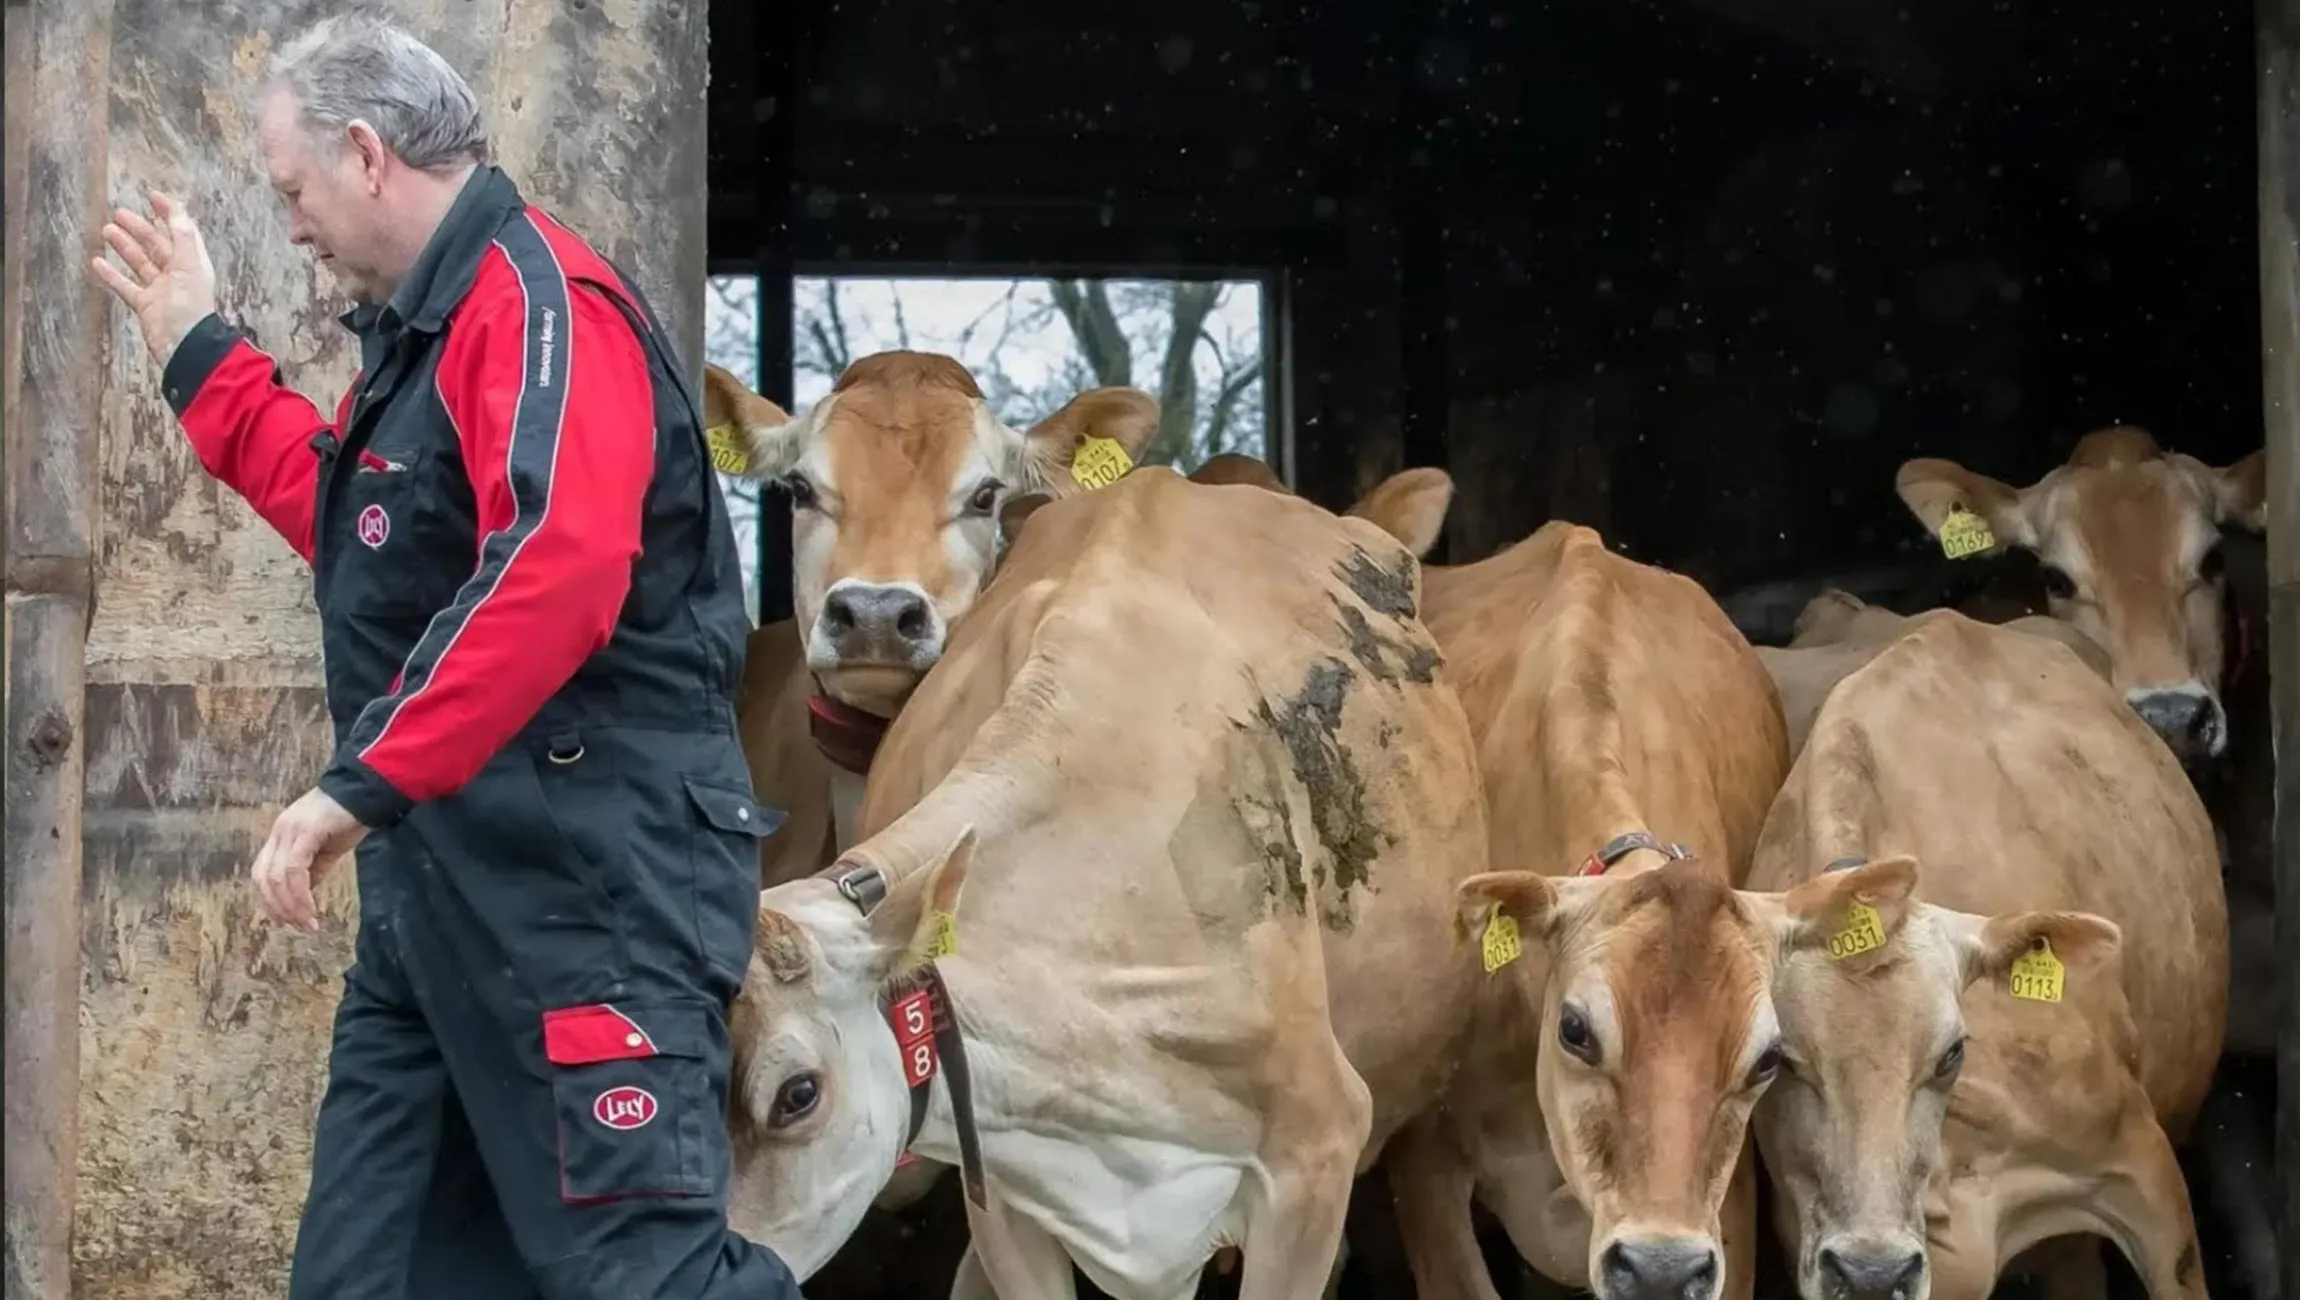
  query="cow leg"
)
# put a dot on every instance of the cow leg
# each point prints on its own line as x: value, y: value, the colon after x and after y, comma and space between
x: 1294, y: 1213
x: 1431, y: 1186
x: 1012, y: 1258
x: 2144, y: 1206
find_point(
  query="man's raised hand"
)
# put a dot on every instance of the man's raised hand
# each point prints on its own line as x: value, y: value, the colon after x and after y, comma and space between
x: 170, y: 284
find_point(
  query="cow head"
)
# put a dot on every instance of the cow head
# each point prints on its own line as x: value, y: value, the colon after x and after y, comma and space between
x: 896, y: 480
x: 1869, y: 988
x: 2129, y: 540
x: 820, y: 1097
x: 1656, y: 1040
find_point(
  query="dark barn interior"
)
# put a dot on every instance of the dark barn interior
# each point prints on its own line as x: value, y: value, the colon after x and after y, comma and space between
x: 1697, y: 273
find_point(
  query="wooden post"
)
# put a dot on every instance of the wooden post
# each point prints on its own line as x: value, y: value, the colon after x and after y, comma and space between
x: 2278, y: 111
x: 55, y: 335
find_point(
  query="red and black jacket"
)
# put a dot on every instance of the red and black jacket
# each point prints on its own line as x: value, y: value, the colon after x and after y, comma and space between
x: 511, y: 519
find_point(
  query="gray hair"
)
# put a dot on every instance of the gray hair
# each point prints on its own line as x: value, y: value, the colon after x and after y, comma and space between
x: 362, y: 67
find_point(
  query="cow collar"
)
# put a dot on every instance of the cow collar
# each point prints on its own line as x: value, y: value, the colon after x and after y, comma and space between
x: 918, y: 1009
x: 1621, y: 846
x: 846, y: 735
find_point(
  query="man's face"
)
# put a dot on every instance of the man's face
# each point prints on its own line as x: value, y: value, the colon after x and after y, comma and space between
x: 331, y: 195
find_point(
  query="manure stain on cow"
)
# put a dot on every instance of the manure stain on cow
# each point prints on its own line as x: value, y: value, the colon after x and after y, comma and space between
x: 1416, y: 663
x: 1385, y: 590
x: 1309, y: 725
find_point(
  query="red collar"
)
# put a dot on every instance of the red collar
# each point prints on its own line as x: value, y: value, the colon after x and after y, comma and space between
x: 846, y: 735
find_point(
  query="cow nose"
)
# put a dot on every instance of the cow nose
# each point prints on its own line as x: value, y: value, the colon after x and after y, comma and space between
x: 1862, y: 1273
x: 889, y: 623
x: 1659, y: 1269
x: 2185, y: 719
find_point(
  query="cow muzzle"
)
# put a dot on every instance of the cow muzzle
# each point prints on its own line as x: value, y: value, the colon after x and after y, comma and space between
x: 1869, y: 1270
x: 889, y: 625
x: 1660, y: 1268
x: 2188, y: 719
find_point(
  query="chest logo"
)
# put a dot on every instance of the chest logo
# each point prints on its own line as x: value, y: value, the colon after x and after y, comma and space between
x: 374, y: 527
x: 624, y: 1108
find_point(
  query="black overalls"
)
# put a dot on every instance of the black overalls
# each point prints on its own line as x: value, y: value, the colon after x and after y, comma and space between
x: 529, y: 1079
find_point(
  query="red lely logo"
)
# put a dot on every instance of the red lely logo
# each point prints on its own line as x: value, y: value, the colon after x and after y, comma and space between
x: 624, y: 1108
x: 374, y: 526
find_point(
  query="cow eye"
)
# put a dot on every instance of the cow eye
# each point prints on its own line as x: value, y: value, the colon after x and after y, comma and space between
x: 795, y: 1100
x: 1951, y: 1061
x: 1769, y: 1063
x: 984, y: 500
x: 2057, y: 583
x: 1574, y: 1034
x: 2213, y: 563
x: 802, y: 492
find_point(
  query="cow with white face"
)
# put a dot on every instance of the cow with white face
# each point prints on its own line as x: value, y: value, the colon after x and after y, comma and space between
x: 897, y: 478
x: 2128, y: 535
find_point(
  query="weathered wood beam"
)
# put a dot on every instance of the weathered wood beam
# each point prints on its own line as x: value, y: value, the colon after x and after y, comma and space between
x: 55, y: 336
x: 2278, y: 117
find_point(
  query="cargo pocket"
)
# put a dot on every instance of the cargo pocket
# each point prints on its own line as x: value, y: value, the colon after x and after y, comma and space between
x: 631, y: 1087
x: 726, y: 869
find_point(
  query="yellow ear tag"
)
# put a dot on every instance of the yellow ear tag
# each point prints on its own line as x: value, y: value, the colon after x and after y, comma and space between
x: 1864, y: 932
x: 1964, y: 533
x: 2037, y: 974
x: 1501, y: 941
x: 1099, y: 462
x: 730, y: 454
x: 945, y: 939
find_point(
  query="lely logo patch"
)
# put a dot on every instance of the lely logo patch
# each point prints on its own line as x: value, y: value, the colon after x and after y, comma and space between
x: 624, y: 1108
x: 374, y: 527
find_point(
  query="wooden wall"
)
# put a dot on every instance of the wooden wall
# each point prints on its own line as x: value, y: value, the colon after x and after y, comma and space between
x: 203, y: 1029
x: 2278, y: 114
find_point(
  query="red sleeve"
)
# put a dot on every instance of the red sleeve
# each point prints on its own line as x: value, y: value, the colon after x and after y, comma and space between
x: 253, y: 433
x: 551, y: 399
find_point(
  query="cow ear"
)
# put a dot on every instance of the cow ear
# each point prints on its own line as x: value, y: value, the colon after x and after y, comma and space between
x: 1534, y: 906
x: 1935, y: 490
x: 2035, y: 953
x: 918, y: 921
x: 2241, y: 494
x: 750, y: 437
x: 1410, y: 505
x: 1846, y: 912
x: 1094, y: 440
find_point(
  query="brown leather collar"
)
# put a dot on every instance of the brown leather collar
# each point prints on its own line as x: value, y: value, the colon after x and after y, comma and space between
x: 846, y: 735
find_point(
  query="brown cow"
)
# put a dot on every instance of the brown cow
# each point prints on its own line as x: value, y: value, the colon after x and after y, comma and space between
x: 2154, y: 555
x: 1192, y: 969
x: 896, y: 480
x: 1600, y: 1115
x: 1931, y: 1124
x: 2129, y: 539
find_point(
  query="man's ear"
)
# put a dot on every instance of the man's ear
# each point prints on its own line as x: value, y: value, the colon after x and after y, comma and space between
x: 1848, y: 912
x: 1934, y: 489
x: 1409, y: 505
x: 917, y: 922
x: 1991, y: 946
x: 1111, y: 426
x: 749, y: 436
x: 2242, y: 493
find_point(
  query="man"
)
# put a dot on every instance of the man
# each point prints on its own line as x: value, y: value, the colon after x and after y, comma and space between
x: 532, y: 626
